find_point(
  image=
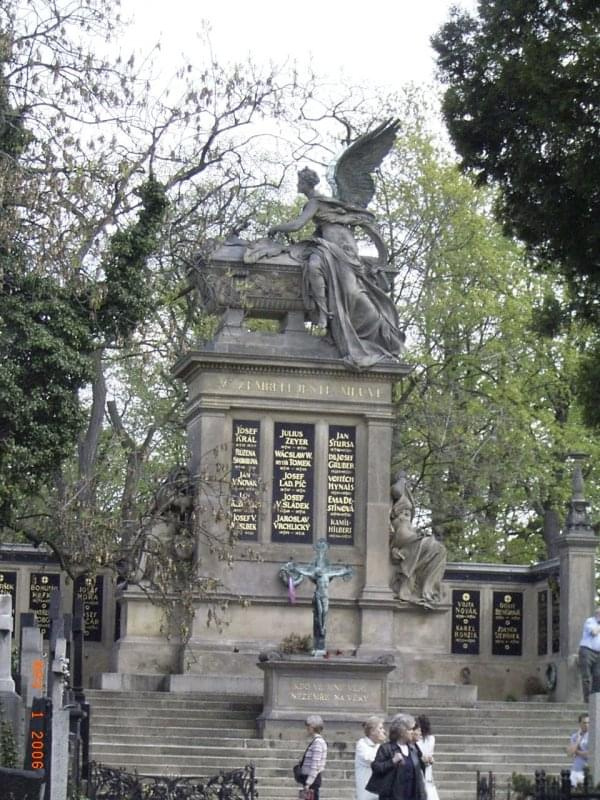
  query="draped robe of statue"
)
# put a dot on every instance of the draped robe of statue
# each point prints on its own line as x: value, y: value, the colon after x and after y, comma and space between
x: 363, y: 318
x: 419, y: 557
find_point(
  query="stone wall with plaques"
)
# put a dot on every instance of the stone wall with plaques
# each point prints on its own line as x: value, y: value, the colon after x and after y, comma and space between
x: 30, y: 573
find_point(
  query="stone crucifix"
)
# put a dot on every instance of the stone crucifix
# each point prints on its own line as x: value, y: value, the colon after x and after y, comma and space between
x: 320, y: 572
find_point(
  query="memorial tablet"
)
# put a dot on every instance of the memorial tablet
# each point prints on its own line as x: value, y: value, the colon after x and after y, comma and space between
x: 244, y: 492
x: 40, y: 588
x: 555, y: 621
x: 91, y: 592
x: 542, y: 622
x: 341, y: 484
x: 293, y: 482
x: 507, y: 623
x: 465, y: 622
x: 8, y: 585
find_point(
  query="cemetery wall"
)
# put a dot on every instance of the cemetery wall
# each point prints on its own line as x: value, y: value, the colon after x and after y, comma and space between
x: 30, y: 573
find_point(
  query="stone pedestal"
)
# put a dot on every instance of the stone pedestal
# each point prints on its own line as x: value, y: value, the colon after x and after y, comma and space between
x: 577, y: 582
x: 344, y: 692
x: 594, y: 738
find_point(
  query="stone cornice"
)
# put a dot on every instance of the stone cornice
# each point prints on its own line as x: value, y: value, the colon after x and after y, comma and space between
x: 197, y: 360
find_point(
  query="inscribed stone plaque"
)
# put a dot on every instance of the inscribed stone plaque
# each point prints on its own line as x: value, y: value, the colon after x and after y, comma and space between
x: 507, y: 623
x: 465, y: 622
x: 329, y: 693
x: 293, y: 482
x: 542, y: 622
x: 245, y: 454
x: 341, y: 484
x: 40, y: 588
x: 8, y: 585
x: 555, y: 621
x: 91, y: 592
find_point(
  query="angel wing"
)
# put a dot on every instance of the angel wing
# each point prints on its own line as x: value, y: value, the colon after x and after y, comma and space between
x: 351, y: 181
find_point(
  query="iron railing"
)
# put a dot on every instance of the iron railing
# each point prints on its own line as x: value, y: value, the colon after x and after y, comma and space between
x: 108, y: 783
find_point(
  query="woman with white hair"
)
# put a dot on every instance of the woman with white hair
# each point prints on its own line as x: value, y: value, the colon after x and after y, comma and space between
x: 366, y: 750
x: 398, y: 769
x: 315, y: 755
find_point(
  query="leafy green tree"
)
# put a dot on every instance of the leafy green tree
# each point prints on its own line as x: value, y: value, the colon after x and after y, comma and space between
x: 521, y: 107
x: 488, y: 415
x: 106, y: 192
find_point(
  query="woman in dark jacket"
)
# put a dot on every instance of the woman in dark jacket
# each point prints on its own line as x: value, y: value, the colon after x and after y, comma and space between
x: 398, y: 768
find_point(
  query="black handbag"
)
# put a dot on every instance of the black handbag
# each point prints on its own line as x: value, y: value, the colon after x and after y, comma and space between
x: 381, y: 783
x: 298, y: 776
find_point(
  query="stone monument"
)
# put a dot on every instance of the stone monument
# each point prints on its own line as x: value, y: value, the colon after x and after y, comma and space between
x: 290, y: 434
x: 289, y: 422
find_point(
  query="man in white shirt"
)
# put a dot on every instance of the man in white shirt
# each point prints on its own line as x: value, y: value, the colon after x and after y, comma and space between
x: 589, y: 656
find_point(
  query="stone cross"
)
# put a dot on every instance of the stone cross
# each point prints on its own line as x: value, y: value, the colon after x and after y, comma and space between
x: 6, y: 627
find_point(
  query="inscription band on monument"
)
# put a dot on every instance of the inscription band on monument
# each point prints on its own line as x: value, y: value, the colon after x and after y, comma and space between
x: 90, y: 590
x: 293, y: 482
x: 40, y: 588
x: 341, y: 484
x: 542, y: 622
x: 347, y: 692
x: 245, y: 455
x: 507, y: 624
x: 465, y: 622
x: 305, y: 389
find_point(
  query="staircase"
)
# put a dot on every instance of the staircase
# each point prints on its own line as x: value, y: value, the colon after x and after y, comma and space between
x: 159, y: 733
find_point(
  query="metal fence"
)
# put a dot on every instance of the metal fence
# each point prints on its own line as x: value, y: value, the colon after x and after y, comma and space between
x: 543, y: 787
x: 107, y: 783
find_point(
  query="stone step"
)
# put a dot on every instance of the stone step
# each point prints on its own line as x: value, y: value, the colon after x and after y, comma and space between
x: 206, y: 737
x: 198, y: 735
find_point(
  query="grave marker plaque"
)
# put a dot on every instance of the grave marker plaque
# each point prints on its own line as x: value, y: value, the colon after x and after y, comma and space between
x: 8, y: 585
x: 507, y: 623
x: 341, y: 484
x: 293, y: 482
x: 90, y: 590
x: 555, y: 621
x: 245, y: 454
x: 542, y: 612
x: 41, y: 585
x: 465, y: 622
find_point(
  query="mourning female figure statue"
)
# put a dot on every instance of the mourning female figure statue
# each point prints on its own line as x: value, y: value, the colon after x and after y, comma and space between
x: 419, y: 557
x: 342, y: 289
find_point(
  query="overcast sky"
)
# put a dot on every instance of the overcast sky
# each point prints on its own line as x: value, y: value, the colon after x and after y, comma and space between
x: 379, y: 42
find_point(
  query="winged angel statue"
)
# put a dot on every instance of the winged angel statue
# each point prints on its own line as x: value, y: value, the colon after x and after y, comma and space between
x: 342, y: 290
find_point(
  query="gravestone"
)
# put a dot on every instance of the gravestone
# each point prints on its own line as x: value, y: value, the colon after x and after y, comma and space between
x: 7, y: 683
x: 33, y: 660
x: 12, y: 706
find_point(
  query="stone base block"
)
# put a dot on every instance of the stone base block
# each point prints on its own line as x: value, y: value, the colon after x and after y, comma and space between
x: 438, y: 692
x: 215, y: 684
x: 342, y: 691
x: 129, y: 682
